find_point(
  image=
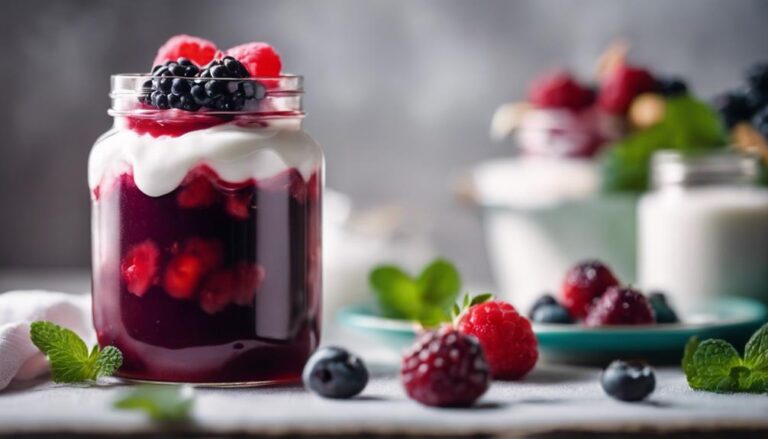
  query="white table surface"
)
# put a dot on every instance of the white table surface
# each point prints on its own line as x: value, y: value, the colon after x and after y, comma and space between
x: 552, y: 399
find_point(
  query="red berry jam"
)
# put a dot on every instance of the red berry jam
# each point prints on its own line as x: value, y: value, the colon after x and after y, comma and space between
x: 214, y: 282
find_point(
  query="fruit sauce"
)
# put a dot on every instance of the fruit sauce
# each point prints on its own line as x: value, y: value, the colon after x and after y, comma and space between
x: 214, y: 282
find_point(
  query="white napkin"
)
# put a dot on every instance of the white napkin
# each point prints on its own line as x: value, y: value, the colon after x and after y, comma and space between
x: 19, y: 358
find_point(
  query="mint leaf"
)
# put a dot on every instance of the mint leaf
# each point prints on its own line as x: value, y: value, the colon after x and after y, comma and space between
x: 69, y: 357
x: 440, y: 283
x: 427, y: 298
x: 161, y: 402
x: 715, y: 365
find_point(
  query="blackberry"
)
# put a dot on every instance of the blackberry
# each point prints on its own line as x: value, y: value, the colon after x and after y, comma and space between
x: 734, y: 107
x: 757, y: 77
x: 672, y: 86
x: 760, y: 122
x: 216, y: 88
x: 168, y: 87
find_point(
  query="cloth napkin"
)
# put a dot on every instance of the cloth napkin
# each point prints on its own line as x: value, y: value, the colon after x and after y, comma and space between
x: 19, y: 358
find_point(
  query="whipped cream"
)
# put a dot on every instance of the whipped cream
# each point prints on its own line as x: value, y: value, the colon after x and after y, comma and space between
x: 235, y: 152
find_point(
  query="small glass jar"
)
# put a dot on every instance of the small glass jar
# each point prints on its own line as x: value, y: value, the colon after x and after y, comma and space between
x: 703, y: 230
x: 206, y: 237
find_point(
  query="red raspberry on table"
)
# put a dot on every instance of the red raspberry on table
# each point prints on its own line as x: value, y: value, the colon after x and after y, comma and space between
x: 260, y: 59
x: 622, y: 85
x: 560, y: 90
x: 198, y: 50
x: 445, y: 368
x: 139, y: 267
x: 621, y: 306
x: 182, y: 275
x: 507, y: 339
x: 584, y: 284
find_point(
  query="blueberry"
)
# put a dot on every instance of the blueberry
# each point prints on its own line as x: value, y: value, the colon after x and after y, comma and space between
x: 550, y: 313
x: 628, y: 381
x: 672, y: 86
x: 662, y: 309
x: 545, y: 299
x: 757, y: 77
x: 332, y: 372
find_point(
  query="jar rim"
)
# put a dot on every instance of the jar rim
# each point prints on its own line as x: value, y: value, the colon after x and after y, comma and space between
x: 671, y: 168
x: 282, y: 95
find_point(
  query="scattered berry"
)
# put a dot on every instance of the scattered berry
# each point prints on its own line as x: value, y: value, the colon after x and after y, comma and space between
x: 734, y: 107
x: 583, y: 284
x: 445, y: 368
x: 198, y: 50
x: 506, y: 337
x: 560, y: 90
x: 628, y: 381
x: 621, y: 306
x: 671, y: 87
x: 757, y: 77
x: 622, y: 85
x: 760, y: 122
x: 552, y: 314
x: 333, y: 372
x: 661, y: 308
x: 182, y: 276
x: 546, y: 299
x: 260, y: 59
x: 139, y: 267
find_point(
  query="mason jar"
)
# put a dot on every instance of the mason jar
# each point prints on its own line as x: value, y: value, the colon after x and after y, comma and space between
x: 206, y: 236
x: 702, y: 230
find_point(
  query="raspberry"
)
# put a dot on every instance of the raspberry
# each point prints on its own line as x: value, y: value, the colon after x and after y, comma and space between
x: 139, y: 267
x: 560, y: 90
x: 260, y: 59
x: 239, y: 205
x: 506, y: 337
x: 445, y: 369
x: 622, y: 85
x: 182, y: 276
x: 209, y: 251
x: 621, y: 306
x: 216, y: 294
x: 198, y: 50
x: 197, y: 191
x: 583, y: 285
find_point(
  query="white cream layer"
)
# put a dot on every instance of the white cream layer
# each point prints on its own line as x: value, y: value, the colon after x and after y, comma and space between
x: 236, y: 153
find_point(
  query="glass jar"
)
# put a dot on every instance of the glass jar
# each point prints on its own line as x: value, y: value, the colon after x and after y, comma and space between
x: 702, y: 230
x: 206, y: 237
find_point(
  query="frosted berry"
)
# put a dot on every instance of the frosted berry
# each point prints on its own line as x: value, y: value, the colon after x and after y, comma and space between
x: 445, y: 368
x: 621, y: 306
x: 583, y: 285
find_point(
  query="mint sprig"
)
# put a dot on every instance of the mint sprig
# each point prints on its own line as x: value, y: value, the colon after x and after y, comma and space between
x: 161, y: 402
x: 426, y: 298
x: 70, y: 360
x: 715, y: 365
x: 468, y: 302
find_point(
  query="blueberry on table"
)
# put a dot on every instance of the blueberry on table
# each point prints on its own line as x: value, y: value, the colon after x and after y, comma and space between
x: 662, y: 308
x: 551, y: 313
x: 628, y: 381
x: 333, y: 372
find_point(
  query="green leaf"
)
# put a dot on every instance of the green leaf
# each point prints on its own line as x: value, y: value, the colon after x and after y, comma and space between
x: 481, y: 298
x: 70, y: 360
x: 439, y: 283
x: 690, y: 349
x: 756, y: 351
x: 398, y: 294
x: 716, y: 367
x: 161, y: 402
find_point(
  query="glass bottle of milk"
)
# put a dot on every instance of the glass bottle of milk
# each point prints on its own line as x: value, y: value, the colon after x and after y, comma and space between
x: 703, y: 230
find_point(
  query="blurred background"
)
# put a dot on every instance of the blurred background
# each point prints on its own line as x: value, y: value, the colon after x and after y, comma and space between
x: 400, y: 93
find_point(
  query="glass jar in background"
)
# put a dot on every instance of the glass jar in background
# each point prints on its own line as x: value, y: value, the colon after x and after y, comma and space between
x: 703, y: 230
x: 206, y: 233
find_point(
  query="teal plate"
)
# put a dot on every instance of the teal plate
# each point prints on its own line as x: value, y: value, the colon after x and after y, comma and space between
x: 732, y: 319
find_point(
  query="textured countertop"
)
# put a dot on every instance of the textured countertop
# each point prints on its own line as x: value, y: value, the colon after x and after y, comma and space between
x: 554, y: 400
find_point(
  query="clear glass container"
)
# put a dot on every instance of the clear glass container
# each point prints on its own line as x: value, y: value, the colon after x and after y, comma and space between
x: 206, y: 229
x: 702, y: 230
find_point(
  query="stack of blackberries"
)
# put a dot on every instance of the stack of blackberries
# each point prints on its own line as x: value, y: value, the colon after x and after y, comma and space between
x: 180, y: 84
x: 748, y: 103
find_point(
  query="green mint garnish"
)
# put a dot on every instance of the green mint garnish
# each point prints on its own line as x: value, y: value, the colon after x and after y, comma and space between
x: 468, y: 302
x: 716, y: 366
x: 70, y: 360
x: 165, y: 403
x: 426, y: 298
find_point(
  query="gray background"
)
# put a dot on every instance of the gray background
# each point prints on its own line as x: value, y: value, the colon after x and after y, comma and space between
x: 400, y: 93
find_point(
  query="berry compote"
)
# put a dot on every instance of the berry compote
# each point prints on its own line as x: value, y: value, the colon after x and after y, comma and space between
x: 206, y: 236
